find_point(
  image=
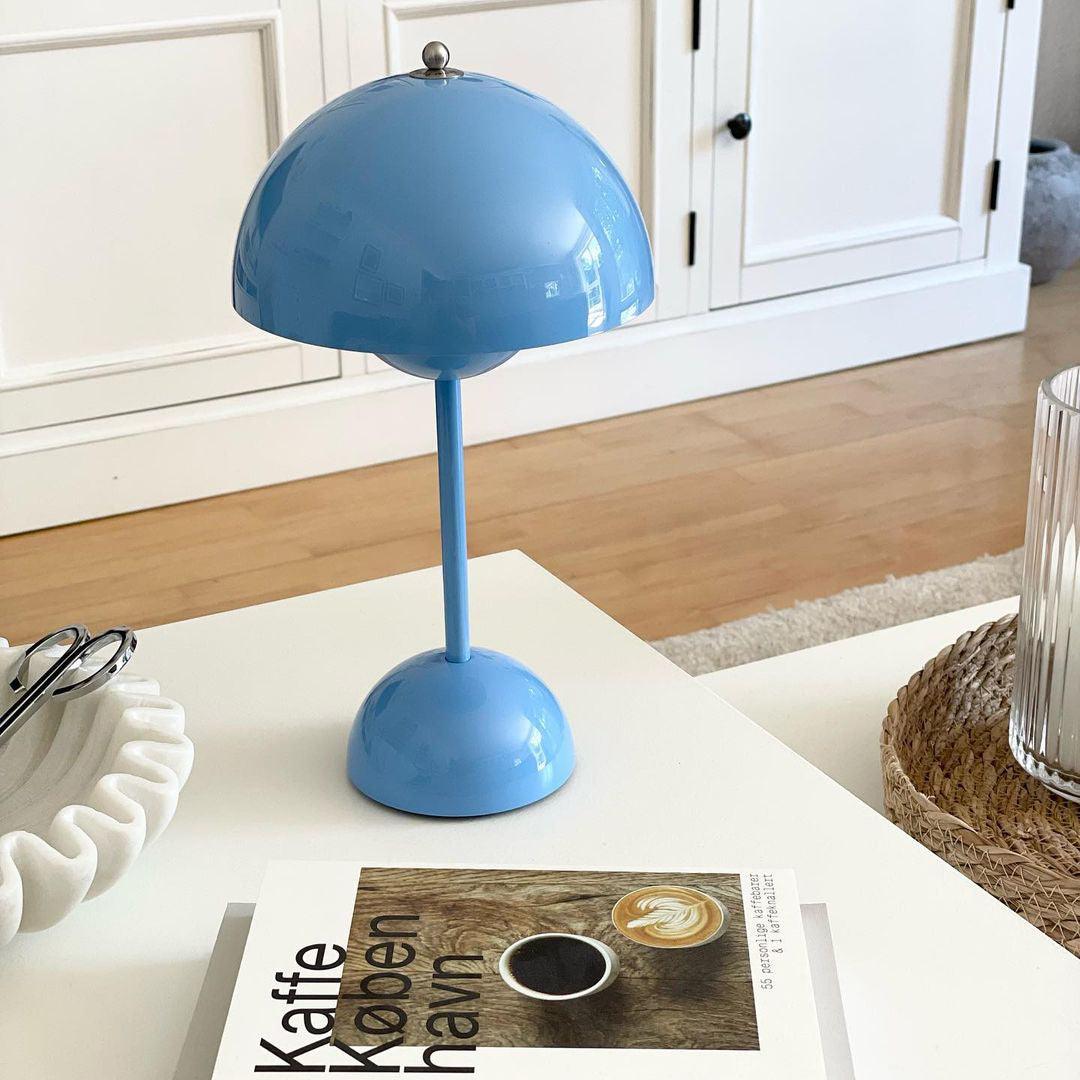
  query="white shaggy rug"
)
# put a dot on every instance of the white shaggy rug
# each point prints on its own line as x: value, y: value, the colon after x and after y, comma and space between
x: 853, y: 611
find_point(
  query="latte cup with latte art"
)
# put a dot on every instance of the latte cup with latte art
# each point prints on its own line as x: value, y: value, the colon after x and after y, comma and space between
x: 670, y: 917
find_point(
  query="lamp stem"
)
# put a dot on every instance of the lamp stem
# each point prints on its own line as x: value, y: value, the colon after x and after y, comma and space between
x: 455, y: 574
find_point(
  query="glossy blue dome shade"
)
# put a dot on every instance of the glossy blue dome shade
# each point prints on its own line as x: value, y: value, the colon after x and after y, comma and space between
x: 443, y: 223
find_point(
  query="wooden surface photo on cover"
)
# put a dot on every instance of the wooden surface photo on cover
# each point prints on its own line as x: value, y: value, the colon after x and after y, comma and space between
x: 423, y: 964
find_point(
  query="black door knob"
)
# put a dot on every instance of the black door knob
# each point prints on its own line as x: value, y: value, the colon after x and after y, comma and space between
x: 739, y: 125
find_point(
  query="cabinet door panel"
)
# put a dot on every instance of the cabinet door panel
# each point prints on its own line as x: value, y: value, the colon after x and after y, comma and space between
x: 130, y: 149
x: 872, y: 140
x: 622, y: 68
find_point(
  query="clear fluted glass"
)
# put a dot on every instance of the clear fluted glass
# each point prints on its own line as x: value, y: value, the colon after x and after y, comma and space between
x: 1044, y: 724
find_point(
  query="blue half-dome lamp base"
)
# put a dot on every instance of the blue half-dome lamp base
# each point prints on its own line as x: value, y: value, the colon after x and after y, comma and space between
x: 463, y: 731
x: 445, y: 220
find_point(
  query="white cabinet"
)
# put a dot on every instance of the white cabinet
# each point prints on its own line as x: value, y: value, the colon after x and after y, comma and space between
x: 872, y: 146
x: 852, y: 224
x: 129, y: 150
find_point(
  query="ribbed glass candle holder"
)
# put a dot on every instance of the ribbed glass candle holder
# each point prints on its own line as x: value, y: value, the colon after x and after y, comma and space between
x: 1044, y: 724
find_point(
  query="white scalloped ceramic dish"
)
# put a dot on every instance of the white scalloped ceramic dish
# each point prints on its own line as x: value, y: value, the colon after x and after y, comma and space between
x: 84, y: 787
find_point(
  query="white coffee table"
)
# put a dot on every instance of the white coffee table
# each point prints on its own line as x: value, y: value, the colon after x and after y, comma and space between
x: 939, y: 979
x: 827, y: 703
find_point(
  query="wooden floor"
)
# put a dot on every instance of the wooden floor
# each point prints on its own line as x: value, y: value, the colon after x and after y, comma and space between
x: 669, y: 520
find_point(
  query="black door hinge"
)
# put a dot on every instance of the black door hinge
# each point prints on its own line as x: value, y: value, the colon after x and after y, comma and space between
x: 995, y: 180
x: 691, y: 239
x: 695, y: 26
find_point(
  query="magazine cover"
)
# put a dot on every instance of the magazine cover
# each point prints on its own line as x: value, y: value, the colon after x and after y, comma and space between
x: 519, y: 973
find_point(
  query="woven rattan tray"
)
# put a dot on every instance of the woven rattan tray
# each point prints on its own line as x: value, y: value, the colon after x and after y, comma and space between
x: 952, y: 783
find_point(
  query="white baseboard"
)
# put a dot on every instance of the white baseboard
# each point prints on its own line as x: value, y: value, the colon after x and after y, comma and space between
x: 72, y: 472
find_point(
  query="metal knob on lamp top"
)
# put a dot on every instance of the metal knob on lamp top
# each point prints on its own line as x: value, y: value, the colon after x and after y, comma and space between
x: 436, y: 58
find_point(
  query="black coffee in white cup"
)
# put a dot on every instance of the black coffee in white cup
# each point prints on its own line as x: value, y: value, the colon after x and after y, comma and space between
x: 558, y: 967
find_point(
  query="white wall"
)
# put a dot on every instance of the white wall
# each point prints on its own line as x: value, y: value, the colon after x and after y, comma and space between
x: 1057, y: 85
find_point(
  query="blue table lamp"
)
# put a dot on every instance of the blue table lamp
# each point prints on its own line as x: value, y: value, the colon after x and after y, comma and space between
x: 444, y: 220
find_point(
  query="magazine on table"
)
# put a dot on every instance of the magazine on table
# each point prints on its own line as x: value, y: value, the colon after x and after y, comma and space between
x: 526, y: 973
